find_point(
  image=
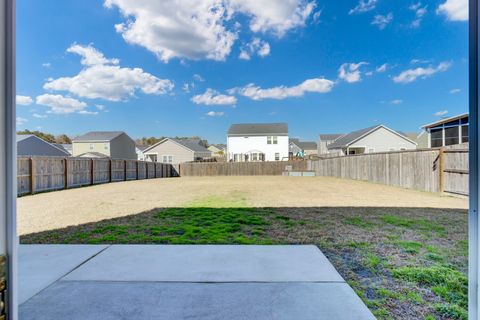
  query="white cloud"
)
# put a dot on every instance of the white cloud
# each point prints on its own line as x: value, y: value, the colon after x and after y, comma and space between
x: 350, y: 72
x: 111, y: 82
x: 382, y: 68
x: 198, y: 78
x: 419, y: 13
x: 382, y: 21
x: 90, y: 55
x: 363, y: 6
x: 23, y: 100
x: 411, y: 75
x: 100, y: 107
x: 21, y: 121
x: 440, y: 113
x: 186, y: 88
x: 454, y: 91
x: 212, y: 97
x: 46, y: 64
x: 256, y: 46
x: 454, y: 10
x: 59, y: 104
x: 88, y: 112
x: 396, y: 101
x: 419, y: 61
x: 316, y: 85
x: 215, y: 114
x: 39, y: 116
x: 204, y: 29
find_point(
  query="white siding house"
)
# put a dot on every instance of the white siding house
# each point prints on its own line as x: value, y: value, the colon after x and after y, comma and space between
x: 258, y: 142
x: 371, y: 140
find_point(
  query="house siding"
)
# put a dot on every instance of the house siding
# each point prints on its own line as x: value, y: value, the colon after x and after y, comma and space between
x: 169, y: 148
x: 81, y: 147
x: 123, y: 147
x: 382, y: 140
x: 248, y: 144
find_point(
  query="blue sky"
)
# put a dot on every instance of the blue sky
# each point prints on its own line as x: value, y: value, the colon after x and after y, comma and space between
x: 170, y: 68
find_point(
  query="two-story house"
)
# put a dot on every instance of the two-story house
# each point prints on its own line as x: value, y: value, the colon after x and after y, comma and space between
x: 257, y: 142
x: 113, y: 144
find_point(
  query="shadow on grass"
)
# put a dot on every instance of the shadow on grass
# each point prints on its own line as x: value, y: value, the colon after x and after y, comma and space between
x: 407, y: 263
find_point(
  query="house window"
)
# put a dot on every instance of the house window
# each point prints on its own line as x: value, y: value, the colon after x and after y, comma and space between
x: 371, y: 150
x: 91, y: 146
x: 167, y: 159
x: 277, y: 156
x: 254, y: 156
x: 153, y: 157
x: 465, y: 133
x: 272, y: 140
x: 451, y: 136
x: 436, y: 138
x: 106, y: 146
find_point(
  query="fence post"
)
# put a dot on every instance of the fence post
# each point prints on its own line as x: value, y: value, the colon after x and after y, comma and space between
x: 441, y: 169
x: 124, y: 170
x: 136, y: 162
x: 146, y: 171
x: 32, y: 177
x: 65, y: 177
x: 91, y: 171
x: 110, y: 169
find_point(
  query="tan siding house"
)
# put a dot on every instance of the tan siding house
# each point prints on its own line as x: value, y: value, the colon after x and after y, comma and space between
x: 113, y: 144
x: 176, y: 151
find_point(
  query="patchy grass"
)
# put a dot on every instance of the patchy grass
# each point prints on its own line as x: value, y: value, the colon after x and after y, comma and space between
x: 404, y: 263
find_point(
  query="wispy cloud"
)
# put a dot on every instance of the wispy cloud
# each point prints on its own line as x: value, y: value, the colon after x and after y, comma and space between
x: 350, y: 72
x: 412, y: 75
x: 24, y: 100
x: 363, y: 6
x: 256, y: 46
x: 382, y: 68
x: 382, y: 21
x: 21, y: 121
x: 39, y: 116
x: 59, y: 104
x: 396, y: 101
x: 213, y: 97
x: 420, y: 12
x: 454, y: 91
x: 440, y: 113
x: 316, y: 85
x: 215, y: 114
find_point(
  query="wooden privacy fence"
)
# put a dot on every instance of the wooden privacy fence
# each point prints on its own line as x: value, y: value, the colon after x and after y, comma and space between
x: 433, y: 170
x: 39, y: 174
x: 239, y: 168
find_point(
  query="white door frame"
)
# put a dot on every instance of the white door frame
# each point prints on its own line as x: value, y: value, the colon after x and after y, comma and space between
x: 473, y: 219
x: 8, y: 148
x: 9, y: 238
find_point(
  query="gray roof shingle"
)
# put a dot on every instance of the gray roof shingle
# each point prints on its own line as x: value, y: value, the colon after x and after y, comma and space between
x: 31, y: 145
x: 347, y: 139
x: 304, y: 145
x: 330, y: 136
x: 258, y: 129
x: 192, y: 144
x: 98, y: 136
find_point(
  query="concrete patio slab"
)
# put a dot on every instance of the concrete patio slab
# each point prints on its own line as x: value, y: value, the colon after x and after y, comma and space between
x: 92, y: 300
x: 42, y: 265
x: 208, y: 263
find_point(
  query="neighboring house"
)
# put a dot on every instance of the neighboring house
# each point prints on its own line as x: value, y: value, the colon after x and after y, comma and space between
x: 139, y: 150
x: 302, y: 148
x: 65, y: 147
x: 325, y: 140
x: 371, y: 140
x: 31, y: 146
x: 218, y: 150
x: 93, y: 154
x: 176, y: 151
x: 113, y: 144
x: 257, y: 142
x: 420, y: 138
x: 448, y: 131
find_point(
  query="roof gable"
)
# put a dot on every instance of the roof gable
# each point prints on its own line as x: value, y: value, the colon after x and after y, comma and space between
x: 354, y: 136
x: 98, y: 136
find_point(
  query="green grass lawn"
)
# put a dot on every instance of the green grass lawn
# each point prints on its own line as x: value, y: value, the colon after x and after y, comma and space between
x: 405, y: 263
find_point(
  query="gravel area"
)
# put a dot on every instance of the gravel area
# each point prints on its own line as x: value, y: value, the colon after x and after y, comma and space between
x: 89, y: 204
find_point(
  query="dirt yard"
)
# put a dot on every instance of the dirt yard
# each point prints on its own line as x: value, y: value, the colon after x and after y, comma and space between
x: 90, y: 204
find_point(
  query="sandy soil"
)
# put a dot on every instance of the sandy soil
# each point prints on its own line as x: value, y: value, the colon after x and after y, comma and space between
x: 77, y: 206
